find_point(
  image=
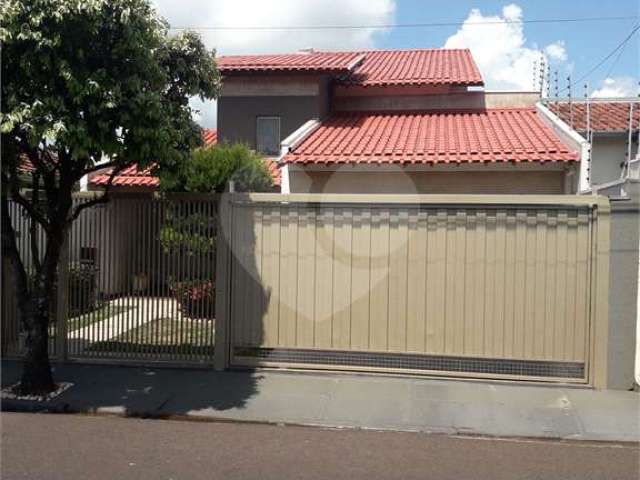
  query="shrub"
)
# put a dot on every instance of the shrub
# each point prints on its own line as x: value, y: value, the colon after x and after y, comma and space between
x: 209, y: 170
x: 82, y: 288
x: 196, y: 298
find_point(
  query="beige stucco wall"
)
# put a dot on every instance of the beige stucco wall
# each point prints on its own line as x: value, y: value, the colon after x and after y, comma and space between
x: 445, y: 101
x: 488, y: 182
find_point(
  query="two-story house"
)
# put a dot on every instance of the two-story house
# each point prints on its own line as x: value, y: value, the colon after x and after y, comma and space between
x: 405, y: 121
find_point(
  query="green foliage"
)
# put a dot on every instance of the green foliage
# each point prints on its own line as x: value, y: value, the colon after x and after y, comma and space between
x: 82, y: 288
x: 89, y: 78
x: 210, y: 170
x: 192, y: 234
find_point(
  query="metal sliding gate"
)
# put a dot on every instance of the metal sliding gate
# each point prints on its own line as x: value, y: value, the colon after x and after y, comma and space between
x: 510, y: 287
x: 139, y: 282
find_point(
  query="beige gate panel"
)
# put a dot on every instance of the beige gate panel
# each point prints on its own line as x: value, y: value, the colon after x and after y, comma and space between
x: 464, y: 285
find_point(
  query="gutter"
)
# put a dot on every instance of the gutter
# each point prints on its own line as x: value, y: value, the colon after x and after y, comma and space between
x: 290, y: 143
x: 572, y: 139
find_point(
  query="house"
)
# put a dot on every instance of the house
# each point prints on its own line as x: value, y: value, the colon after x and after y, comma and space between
x: 132, y: 180
x: 611, y: 126
x: 393, y: 121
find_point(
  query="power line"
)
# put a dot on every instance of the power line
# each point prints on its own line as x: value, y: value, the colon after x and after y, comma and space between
x: 607, y: 57
x: 406, y: 25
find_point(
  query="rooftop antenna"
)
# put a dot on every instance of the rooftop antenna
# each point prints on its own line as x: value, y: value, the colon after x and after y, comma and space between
x: 535, y: 71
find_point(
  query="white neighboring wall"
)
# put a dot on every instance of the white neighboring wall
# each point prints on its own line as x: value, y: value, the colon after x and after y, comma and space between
x: 573, y: 140
x: 289, y: 144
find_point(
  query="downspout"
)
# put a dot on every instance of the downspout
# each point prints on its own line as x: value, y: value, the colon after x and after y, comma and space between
x: 287, y: 145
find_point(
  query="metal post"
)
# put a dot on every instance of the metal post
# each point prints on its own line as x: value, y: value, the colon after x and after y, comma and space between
x: 62, y: 301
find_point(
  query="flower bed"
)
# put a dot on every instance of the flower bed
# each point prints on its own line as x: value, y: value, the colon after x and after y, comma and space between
x: 196, y: 298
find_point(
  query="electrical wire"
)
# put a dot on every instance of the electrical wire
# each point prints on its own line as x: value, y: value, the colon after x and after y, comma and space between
x: 603, y: 61
x: 407, y: 25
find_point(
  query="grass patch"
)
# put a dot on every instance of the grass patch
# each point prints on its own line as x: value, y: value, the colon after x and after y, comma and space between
x: 163, y: 336
x: 81, y: 321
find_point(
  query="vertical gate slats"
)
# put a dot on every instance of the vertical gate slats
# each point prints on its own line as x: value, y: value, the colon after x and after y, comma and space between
x: 416, y: 281
x: 550, y: 286
x: 397, y: 326
x: 305, y: 278
x: 341, y: 325
x: 288, y: 256
x: 324, y: 279
x: 361, y: 265
x: 379, y: 285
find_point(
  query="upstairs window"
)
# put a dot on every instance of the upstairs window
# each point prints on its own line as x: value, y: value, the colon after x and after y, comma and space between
x: 268, y: 135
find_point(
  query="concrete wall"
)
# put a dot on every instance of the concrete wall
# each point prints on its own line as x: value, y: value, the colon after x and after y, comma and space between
x: 609, y: 151
x: 461, y: 100
x: 488, y: 182
x: 623, y: 286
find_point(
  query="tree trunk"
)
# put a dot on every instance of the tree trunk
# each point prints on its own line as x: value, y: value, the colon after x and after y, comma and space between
x: 36, y: 373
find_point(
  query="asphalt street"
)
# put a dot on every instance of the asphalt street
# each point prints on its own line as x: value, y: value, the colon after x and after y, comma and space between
x: 68, y: 447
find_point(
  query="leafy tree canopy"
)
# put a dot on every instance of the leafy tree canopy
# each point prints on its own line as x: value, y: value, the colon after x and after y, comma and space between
x: 211, y: 169
x: 85, y: 81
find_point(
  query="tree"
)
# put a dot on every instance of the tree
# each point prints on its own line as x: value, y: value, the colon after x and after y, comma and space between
x: 211, y: 169
x: 82, y: 81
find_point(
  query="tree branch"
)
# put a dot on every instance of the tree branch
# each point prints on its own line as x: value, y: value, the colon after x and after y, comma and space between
x: 16, y: 196
x: 104, y: 198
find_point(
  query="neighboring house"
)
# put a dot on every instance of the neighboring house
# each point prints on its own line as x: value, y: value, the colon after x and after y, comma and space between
x: 612, y: 125
x: 406, y: 121
x: 132, y: 180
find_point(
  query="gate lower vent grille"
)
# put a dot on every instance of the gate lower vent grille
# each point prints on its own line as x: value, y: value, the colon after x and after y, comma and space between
x: 531, y: 368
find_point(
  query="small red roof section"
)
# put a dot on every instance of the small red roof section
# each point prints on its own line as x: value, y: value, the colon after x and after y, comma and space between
x: 209, y: 136
x: 497, y: 135
x: 604, y: 116
x: 320, y: 62
x: 370, y: 68
x: 129, y: 177
x: 132, y: 177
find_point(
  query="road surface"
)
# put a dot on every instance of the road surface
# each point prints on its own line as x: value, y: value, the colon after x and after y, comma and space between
x: 69, y: 447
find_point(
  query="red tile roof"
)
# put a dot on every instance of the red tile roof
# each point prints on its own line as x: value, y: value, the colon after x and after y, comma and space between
x: 274, y: 170
x: 497, y: 135
x: 209, y: 136
x: 129, y: 177
x: 371, y: 68
x: 132, y: 177
x: 604, y: 116
x: 342, y: 62
x: 416, y: 68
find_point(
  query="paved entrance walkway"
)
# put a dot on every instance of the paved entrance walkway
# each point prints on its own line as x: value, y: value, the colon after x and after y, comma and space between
x: 139, y: 310
x: 358, y: 401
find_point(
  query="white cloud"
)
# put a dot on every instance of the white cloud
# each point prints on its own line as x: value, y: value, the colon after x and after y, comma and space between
x: 247, y: 13
x: 499, y: 48
x: 617, y: 87
x: 556, y: 51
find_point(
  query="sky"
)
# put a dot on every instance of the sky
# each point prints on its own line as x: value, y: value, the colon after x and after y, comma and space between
x: 503, y: 44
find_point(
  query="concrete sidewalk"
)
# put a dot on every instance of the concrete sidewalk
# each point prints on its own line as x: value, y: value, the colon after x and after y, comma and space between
x: 349, y: 401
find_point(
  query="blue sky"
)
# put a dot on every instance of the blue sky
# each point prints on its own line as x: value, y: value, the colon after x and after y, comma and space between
x: 585, y: 43
x: 504, y: 51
